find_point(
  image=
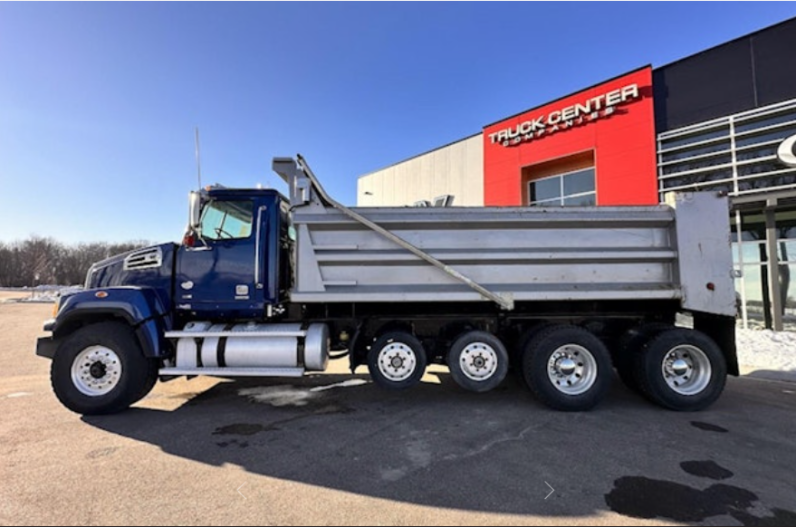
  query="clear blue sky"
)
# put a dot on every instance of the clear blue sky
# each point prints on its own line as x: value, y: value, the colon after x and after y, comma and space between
x: 98, y: 102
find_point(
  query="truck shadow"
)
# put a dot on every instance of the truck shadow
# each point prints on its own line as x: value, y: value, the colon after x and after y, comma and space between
x: 774, y: 375
x: 435, y: 445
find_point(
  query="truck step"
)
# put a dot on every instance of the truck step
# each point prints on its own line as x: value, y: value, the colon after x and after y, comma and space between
x: 233, y: 372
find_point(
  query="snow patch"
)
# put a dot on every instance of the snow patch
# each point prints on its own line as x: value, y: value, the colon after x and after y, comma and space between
x: 47, y: 293
x: 344, y: 384
x: 767, y: 351
x: 279, y: 396
x: 18, y: 395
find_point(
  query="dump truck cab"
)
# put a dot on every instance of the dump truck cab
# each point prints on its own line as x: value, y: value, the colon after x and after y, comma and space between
x: 229, y: 266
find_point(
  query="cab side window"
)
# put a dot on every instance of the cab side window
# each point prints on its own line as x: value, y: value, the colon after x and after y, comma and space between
x: 227, y: 220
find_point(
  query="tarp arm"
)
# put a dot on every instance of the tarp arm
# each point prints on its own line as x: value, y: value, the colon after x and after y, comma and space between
x: 504, y: 301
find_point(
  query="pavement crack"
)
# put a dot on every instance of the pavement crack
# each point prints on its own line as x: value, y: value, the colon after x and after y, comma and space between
x: 492, y: 444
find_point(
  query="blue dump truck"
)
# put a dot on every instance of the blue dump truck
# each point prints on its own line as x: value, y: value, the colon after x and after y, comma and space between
x: 270, y: 286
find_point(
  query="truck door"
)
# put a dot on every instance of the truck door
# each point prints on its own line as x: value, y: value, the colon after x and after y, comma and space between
x: 217, y: 280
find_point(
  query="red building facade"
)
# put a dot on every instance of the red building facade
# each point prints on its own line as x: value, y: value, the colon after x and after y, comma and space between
x: 607, y: 130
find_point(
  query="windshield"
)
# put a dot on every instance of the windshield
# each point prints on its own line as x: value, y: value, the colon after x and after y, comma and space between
x: 227, y: 220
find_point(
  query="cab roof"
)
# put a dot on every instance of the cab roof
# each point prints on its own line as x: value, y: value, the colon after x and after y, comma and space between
x: 221, y: 191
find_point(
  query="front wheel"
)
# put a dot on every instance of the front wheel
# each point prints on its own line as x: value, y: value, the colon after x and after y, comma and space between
x: 682, y: 369
x: 100, y: 370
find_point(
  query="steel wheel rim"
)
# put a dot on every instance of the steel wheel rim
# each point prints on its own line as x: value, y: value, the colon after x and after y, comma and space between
x: 478, y: 361
x: 397, y: 361
x: 96, y: 371
x: 572, y: 369
x: 687, y: 370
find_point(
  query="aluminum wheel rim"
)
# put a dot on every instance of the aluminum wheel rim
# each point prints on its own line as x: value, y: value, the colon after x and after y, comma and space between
x: 479, y: 361
x: 572, y: 369
x: 397, y: 361
x: 96, y: 371
x: 687, y: 370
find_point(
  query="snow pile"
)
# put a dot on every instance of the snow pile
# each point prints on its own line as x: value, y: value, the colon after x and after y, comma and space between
x: 48, y: 293
x: 767, y: 351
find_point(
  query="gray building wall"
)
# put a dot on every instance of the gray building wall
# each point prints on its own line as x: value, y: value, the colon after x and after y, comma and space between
x: 456, y: 169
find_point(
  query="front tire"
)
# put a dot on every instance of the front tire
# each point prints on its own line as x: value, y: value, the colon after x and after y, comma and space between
x: 100, y: 369
x: 568, y: 368
x: 682, y: 370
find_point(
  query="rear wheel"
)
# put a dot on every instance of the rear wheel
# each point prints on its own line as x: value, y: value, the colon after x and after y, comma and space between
x: 100, y: 369
x: 397, y: 360
x: 568, y: 368
x: 478, y: 361
x: 682, y: 369
x: 630, y: 348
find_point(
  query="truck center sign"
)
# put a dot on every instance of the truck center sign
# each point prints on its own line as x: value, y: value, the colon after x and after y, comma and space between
x: 612, y: 124
x: 575, y: 115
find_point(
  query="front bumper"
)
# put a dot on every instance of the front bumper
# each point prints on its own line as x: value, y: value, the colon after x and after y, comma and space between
x: 45, y: 347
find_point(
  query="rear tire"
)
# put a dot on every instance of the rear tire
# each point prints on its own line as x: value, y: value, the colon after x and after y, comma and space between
x: 568, y: 368
x: 397, y: 360
x: 100, y: 369
x: 631, y: 347
x: 478, y: 361
x: 518, y: 350
x: 682, y: 370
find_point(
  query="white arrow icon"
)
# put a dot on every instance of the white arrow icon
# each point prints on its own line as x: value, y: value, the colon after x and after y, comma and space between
x: 239, y: 492
x: 552, y: 490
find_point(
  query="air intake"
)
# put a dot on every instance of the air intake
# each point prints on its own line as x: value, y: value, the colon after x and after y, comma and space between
x: 146, y: 259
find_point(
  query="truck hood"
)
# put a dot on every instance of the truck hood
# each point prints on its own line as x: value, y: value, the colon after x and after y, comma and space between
x: 151, y: 267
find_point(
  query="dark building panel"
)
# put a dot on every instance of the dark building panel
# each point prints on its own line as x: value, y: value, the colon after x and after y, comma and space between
x: 774, y: 52
x: 746, y: 73
x: 705, y: 86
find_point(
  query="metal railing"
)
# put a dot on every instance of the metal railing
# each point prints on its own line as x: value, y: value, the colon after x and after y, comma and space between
x: 726, y: 140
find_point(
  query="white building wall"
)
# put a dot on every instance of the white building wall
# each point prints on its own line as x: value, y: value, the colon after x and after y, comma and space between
x: 456, y: 169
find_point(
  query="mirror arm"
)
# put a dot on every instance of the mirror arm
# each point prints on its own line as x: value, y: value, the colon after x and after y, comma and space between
x: 198, y: 234
x: 195, y: 223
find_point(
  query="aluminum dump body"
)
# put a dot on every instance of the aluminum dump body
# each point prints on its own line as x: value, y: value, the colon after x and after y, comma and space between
x: 676, y: 251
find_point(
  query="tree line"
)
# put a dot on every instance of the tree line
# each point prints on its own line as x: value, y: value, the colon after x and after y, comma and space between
x: 45, y: 261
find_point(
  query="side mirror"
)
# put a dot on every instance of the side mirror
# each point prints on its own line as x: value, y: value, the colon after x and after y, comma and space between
x: 195, y: 211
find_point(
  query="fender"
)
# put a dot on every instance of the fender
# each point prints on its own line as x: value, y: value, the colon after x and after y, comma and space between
x: 139, y: 307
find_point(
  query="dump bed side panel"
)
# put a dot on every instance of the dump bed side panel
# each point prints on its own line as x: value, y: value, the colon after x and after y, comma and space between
x: 530, y: 254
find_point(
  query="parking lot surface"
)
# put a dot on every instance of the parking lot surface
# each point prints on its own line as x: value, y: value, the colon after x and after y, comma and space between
x: 335, y: 449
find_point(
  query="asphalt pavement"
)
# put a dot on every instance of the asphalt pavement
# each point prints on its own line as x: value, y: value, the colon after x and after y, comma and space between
x: 335, y: 449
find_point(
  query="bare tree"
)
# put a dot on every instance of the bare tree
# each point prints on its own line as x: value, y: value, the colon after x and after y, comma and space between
x: 36, y: 261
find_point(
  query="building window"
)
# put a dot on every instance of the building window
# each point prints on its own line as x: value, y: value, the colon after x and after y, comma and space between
x: 751, y: 256
x: 574, y: 189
